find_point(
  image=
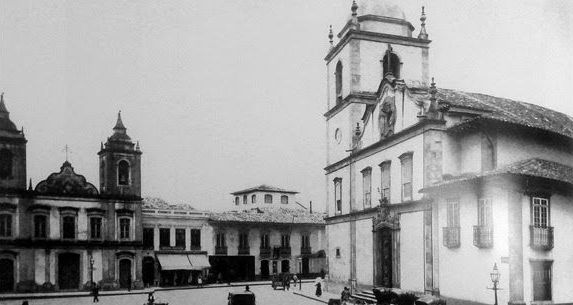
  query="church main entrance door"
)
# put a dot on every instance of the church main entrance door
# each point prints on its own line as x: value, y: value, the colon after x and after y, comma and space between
x: 384, y: 257
x: 68, y: 271
x: 125, y: 273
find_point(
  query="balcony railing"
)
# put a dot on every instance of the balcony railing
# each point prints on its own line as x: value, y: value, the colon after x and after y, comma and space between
x: 221, y: 250
x: 171, y: 247
x: 451, y: 237
x: 541, y: 238
x: 281, y: 252
x: 483, y: 236
x: 244, y: 250
x: 305, y: 250
x: 265, y: 252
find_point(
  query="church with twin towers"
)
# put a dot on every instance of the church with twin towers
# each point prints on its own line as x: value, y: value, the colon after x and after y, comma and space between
x: 64, y: 233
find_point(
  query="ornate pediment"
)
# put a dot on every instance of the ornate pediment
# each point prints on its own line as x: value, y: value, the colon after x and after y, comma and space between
x: 385, y: 218
x: 66, y: 183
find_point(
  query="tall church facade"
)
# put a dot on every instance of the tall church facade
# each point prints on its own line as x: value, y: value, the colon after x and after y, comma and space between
x: 64, y: 233
x: 429, y: 188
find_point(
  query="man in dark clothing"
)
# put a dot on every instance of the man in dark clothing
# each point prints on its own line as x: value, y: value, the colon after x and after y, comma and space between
x: 95, y: 293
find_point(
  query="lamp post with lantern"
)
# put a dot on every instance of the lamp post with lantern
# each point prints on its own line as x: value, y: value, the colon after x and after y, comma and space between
x: 92, y: 270
x: 495, y: 280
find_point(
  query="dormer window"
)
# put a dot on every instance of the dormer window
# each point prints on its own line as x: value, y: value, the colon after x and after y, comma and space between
x: 237, y: 200
x: 284, y: 199
x: 338, y: 77
x: 254, y: 199
x: 268, y: 198
x: 391, y: 64
x: 244, y: 199
x: 6, y: 158
x: 123, y: 173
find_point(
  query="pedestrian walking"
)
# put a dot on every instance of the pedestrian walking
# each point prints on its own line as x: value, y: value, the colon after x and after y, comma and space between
x: 318, y: 291
x: 150, y: 298
x: 95, y: 293
x: 345, y: 295
x: 200, y: 281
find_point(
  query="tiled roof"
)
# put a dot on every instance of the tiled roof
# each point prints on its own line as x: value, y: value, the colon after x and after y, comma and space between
x: 531, y: 167
x: 509, y: 111
x: 270, y: 215
x: 160, y: 204
x: 264, y: 188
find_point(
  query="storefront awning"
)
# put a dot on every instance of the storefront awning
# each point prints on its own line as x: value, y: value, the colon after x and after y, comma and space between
x: 174, y: 262
x: 199, y: 261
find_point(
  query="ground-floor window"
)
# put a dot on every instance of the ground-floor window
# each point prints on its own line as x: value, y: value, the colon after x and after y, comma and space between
x: 541, y: 273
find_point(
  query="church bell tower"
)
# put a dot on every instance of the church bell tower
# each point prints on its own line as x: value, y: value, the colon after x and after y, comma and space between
x: 120, y: 164
x: 12, y: 152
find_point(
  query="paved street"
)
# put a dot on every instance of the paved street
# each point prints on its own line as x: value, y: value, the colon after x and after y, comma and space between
x: 207, y: 296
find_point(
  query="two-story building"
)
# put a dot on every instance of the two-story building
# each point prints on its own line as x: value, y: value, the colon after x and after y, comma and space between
x: 175, y: 239
x: 269, y: 233
x: 429, y: 188
x: 65, y: 234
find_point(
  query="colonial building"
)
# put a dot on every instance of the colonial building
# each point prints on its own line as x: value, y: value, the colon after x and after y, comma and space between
x: 271, y: 234
x: 64, y: 233
x: 428, y: 188
x: 175, y: 242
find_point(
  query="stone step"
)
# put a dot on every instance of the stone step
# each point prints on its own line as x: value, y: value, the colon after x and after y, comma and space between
x: 366, y: 296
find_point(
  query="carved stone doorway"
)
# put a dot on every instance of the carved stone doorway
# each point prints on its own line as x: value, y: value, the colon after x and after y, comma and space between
x: 384, y: 257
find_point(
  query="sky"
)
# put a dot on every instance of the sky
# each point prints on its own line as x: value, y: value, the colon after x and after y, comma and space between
x: 225, y: 95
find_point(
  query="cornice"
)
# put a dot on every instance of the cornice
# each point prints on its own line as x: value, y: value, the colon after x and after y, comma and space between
x: 406, y: 134
x: 368, y: 98
x: 376, y: 37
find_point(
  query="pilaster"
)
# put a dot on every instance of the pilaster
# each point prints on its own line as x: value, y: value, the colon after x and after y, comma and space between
x: 515, y: 242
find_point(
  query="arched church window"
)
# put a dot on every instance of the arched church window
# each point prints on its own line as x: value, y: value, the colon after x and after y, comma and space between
x: 391, y: 64
x: 5, y: 163
x: 338, y: 76
x: 123, y: 173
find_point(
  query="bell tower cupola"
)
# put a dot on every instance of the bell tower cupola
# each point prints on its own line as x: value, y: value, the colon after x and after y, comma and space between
x: 120, y: 164
x: 12, y: 152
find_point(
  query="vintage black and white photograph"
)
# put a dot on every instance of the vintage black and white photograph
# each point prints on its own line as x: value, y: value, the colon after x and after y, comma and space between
x: 281, y: 152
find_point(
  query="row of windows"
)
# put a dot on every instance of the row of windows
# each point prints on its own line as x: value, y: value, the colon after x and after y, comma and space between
x: 244, y: 240
x: 268, y: 199
x: 406, y: 183
x: 541, y: 232
x: 68, y: 228
x: 165, y: 238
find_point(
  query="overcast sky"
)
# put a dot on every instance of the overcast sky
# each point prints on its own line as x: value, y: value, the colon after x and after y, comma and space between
x: 224, y: 95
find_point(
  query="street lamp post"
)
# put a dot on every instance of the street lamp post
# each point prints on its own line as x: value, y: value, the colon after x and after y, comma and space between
x: 495, y: 280
x: 91, y: 270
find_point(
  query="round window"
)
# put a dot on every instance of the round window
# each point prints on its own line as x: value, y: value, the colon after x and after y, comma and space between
x: 338, y: 135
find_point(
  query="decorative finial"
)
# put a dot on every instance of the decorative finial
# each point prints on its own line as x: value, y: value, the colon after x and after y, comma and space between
x: 354, y: 7
x: 330, y: 36
x: 137, y: 146
x: 354, y: 21
x: 119, y: 123
x: 423, y: 34
x: 101, y: 145
x: 30, y: 185
x: 433, y: 90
